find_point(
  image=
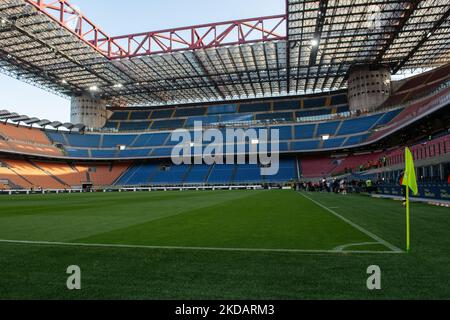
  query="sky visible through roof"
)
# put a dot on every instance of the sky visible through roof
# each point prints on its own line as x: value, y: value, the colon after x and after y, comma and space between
x: 125, y: 17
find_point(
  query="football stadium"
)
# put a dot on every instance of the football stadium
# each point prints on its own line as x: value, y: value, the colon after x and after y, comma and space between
x: 281, y: 157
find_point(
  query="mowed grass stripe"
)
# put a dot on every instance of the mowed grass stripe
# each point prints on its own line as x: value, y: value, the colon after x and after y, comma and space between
x: 69, y: 217
x: 263, y: 220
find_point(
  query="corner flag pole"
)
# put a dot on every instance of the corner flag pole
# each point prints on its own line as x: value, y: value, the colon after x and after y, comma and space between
x: 410, y: 182
x: 408, y: 222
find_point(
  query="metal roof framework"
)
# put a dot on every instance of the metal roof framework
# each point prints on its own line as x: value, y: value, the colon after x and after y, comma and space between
x: 49, y: 43
x: 328, y: 37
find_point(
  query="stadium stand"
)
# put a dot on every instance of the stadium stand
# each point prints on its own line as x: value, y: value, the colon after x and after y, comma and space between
x: 325, y: 166
x: 161, y: 173
x: 34, y: 175
x: 261, y: 112
x: 26, y: 140
x: 301, y: 128
x: 425, y: 150
x: 418, y: 86
x: 301, y: 137
x: 23, y: 174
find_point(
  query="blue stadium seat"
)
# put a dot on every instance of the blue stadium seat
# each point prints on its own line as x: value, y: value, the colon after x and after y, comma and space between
x: 114, y: 140
x: 254, y: 107
x: 190, y: 112
x: 111, y: 125
x: 104, y: 154
x: 120, y: 115
x: 285, y: 132
x: 359, y: 125
x: 134, y: 153
x: 286, y: 105
x: 286, y: 173
x: 172, y: 175
x: 151, y: 140
x: 339, y: 99
x: 77, y: 153
x: 138, y: 175
x: 313, y: 113
x: 162, y: 152
x: 232, y: 118
x: 134, y: 126
x: 304, y: 131
x: 343, y: 109
x: 277, y: 116
x: 248, y: 173
x: 221, y: 174
x: 328, y: 128
x: 198, y: 174
x: 56, y: 137
x: 168, y: 124
x: 84, y: 141
x: 314, y: 103
x: 333, y: 143
x: 355, y: 140
x: 205, y: 120
x: 389, y: 116
x: 162, y: 114
x: 140, y: 115
x: 305, y: 145
x: 222, y: 109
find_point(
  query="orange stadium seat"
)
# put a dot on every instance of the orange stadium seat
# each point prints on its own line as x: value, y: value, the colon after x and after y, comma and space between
x: 15, y: 181
x: 25, y: 140
x: 24, y: 134
x: 106, y: 175
x: 64, y: 172
x: 36, y: 177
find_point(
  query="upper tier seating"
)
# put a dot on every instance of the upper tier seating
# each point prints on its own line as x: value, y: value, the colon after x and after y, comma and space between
x: 413, y: 111
x: 306, y: 109
x: 419, y: 86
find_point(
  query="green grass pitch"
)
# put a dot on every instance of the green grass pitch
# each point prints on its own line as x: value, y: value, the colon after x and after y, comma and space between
x: 220, y: 245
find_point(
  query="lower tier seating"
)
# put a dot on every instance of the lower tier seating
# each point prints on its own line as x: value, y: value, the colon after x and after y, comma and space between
x: 27, y: 174
x: 144, y: 174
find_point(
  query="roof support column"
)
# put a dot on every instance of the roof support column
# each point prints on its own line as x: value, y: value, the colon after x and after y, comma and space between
x: 89, y: 111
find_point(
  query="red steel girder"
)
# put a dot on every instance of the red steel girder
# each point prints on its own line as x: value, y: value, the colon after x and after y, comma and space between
x: 70, y: 18
x: 204, y: 36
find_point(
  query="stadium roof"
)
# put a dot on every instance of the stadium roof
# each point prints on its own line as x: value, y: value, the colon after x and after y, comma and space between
x: 6, y: 116
x: 310, y: 49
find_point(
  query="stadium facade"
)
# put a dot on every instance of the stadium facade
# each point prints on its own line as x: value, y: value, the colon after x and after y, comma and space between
x: 322, y: 75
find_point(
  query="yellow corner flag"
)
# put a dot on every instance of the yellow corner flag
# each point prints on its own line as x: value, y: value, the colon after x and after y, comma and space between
x: 410, y: 182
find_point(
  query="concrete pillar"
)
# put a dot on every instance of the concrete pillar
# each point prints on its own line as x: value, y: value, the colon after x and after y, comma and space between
x: 368, y: 87
x: 89, y: 111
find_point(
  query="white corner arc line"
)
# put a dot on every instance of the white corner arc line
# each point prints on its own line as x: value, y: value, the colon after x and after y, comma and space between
x: 126, y: 246
x: 354, y: 225
x: 350, y: 245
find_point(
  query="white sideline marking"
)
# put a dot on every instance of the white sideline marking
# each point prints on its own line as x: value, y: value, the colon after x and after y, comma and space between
x: 92, y: 245
x: 354, y: 225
